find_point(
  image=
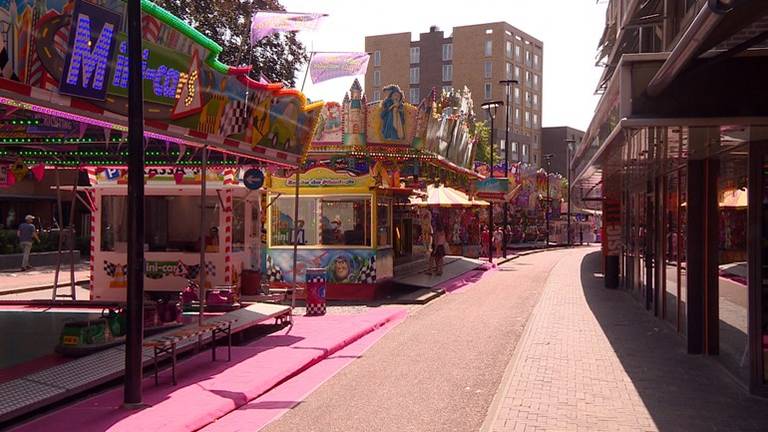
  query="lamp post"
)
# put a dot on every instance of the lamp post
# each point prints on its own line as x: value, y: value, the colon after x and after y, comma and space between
x: 568, y: 144
x: 490, y: 108
x: 548, y: 157
x: 506, y: 83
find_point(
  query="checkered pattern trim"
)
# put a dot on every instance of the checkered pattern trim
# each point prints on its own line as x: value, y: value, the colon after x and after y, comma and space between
x: 368, y: 271
x: 315, y: 309
x: 43, y: 98
x: 234, y: 119
x: 273, y: 274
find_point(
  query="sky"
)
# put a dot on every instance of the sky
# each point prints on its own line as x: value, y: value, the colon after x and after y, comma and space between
x: 570, y: 30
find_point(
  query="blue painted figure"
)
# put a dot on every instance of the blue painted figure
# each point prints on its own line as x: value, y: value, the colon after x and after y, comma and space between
x: 392, y: 115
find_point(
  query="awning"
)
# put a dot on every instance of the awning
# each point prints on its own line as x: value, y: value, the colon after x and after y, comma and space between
x: 442, y: 196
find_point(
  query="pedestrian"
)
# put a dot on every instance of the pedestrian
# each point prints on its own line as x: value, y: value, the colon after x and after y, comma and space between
x: 439, y: 249
x: 27, y: 233
x: 485, y: 238
x: 498, y: 238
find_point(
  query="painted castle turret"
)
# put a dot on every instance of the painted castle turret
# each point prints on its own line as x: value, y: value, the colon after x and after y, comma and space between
x: 354, y: 108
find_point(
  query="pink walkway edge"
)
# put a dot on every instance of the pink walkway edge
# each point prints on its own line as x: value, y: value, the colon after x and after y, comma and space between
x: 271, y: 406
x: 207, y: 391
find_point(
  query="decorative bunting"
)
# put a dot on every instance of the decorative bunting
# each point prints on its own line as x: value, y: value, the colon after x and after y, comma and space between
x: 38, y: 171
x: 19, y: 170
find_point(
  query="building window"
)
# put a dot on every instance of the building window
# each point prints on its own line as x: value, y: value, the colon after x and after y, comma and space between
x: 525, y: 149
x: 415, y: 52
x: 509, y: 49
x: 377, y: 58
x: 414, y: 75
x: 488, y: 69
x: 384, y: 222
x: 376, y: 95
x: 339, y: 221
x: 487, y: 92
x: 517, y: 95
x: 377, y: 78
x: 517, y: 73
x: 488, y: 48
x: 528, y: 99
x: 447, y: 72
x: 527, y: 78
x: 535, y: 100
x: 509, y: 72
x: 536, y: 61
x: 414, y: 96
x: 527, y: 123
x: 447, y: 89
x: 517, y: 52
x: 528, y: 58
x: 535, y: 81
x: 488, y: 31
x: 535, y: 120
x: 513, y: 147
x: 447, y: 52
x: 517, y: 116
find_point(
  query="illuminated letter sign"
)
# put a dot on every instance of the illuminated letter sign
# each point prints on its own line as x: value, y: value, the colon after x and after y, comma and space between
x: 91, y: 42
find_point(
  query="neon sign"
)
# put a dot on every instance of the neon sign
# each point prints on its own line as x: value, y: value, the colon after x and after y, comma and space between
x: 92, y: 41
x: 87, y: 64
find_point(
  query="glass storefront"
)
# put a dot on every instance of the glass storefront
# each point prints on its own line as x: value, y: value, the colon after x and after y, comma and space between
x: 732, y: 260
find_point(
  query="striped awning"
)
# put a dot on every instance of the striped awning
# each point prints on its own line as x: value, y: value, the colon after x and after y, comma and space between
x: 442, y: 196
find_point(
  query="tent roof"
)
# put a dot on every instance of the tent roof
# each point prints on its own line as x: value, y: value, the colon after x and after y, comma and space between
x: 442, y: 196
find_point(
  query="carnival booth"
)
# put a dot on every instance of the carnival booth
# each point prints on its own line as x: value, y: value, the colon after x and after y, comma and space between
x: 460, y: 214
x: 63, y: 105
x: 344, y: 226
x: 172, y: 243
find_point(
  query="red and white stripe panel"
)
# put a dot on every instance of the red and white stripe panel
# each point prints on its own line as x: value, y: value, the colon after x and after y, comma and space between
x: 92, y: 194
x: 227, y: 236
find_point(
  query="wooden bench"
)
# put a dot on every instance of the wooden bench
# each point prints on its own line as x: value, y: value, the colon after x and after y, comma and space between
x: 166, y: 344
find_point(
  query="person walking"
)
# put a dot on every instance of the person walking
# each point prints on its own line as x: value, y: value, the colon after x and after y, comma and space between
x: 27, y: 233
x: 498, y: 239
x: 440, y: 248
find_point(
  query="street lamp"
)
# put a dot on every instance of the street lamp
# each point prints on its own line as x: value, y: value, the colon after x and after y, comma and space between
x: 568, y: 144
x: 548, y: 157
x: 490, y: 108
x: 506, y: 83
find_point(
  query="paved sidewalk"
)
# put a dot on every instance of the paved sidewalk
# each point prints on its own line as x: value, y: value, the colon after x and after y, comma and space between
x: 12, y: 281
x: 592, y: 359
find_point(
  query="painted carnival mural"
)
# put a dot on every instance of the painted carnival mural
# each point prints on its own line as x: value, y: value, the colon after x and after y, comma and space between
x: 439, y: 125
x: 185, y: 86
x: 341, y: 266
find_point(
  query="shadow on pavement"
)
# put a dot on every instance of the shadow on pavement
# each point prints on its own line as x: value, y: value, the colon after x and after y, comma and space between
x: 682, y: 392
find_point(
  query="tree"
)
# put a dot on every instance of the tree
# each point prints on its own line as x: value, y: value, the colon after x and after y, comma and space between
x: 482, y: 132
x: 228, y: 23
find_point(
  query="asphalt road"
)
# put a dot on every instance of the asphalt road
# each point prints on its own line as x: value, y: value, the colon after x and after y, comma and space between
x: 440, y: 368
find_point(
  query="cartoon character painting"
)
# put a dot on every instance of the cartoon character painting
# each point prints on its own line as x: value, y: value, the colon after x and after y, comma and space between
x: 340, y: 270
x: 393, y: 114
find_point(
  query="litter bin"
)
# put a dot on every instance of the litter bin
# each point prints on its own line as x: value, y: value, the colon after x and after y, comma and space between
x: 315, y: 280
x: 251, y: 282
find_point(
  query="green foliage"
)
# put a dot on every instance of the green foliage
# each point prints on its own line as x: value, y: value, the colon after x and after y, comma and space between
x: 228, y: 22
x: 482, y: 132
x: 49, y: 242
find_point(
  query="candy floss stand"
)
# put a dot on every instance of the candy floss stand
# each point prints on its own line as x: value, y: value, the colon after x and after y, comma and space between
x: 172, y: 242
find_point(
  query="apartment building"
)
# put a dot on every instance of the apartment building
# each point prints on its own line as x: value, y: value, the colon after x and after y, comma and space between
x: 477, y: 56
x: 675, y: 159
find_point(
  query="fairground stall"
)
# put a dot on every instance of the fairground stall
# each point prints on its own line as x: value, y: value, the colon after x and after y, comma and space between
x: 65, y: 80
x: 355, y: 219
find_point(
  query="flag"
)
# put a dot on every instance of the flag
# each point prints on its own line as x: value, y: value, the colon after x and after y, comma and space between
x: 267, y: 23
x: 325, y: 66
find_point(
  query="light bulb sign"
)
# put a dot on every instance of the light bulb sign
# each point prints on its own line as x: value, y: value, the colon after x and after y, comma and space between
x: 92, y: 42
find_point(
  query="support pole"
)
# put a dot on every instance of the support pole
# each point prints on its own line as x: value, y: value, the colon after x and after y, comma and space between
x: 203, y: 231
x: 132, y: 395
x: 295, y: 239
x: 71, y: 238
x: 54, y: 295
x: 490, y: 202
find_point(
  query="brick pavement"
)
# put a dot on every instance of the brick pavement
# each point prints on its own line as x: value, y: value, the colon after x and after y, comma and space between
x: 592, y: 359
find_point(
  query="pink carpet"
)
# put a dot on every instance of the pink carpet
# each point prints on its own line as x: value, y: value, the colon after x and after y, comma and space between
x: 272, y: 405
x: 208, y: 390
x: 465, y: 280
